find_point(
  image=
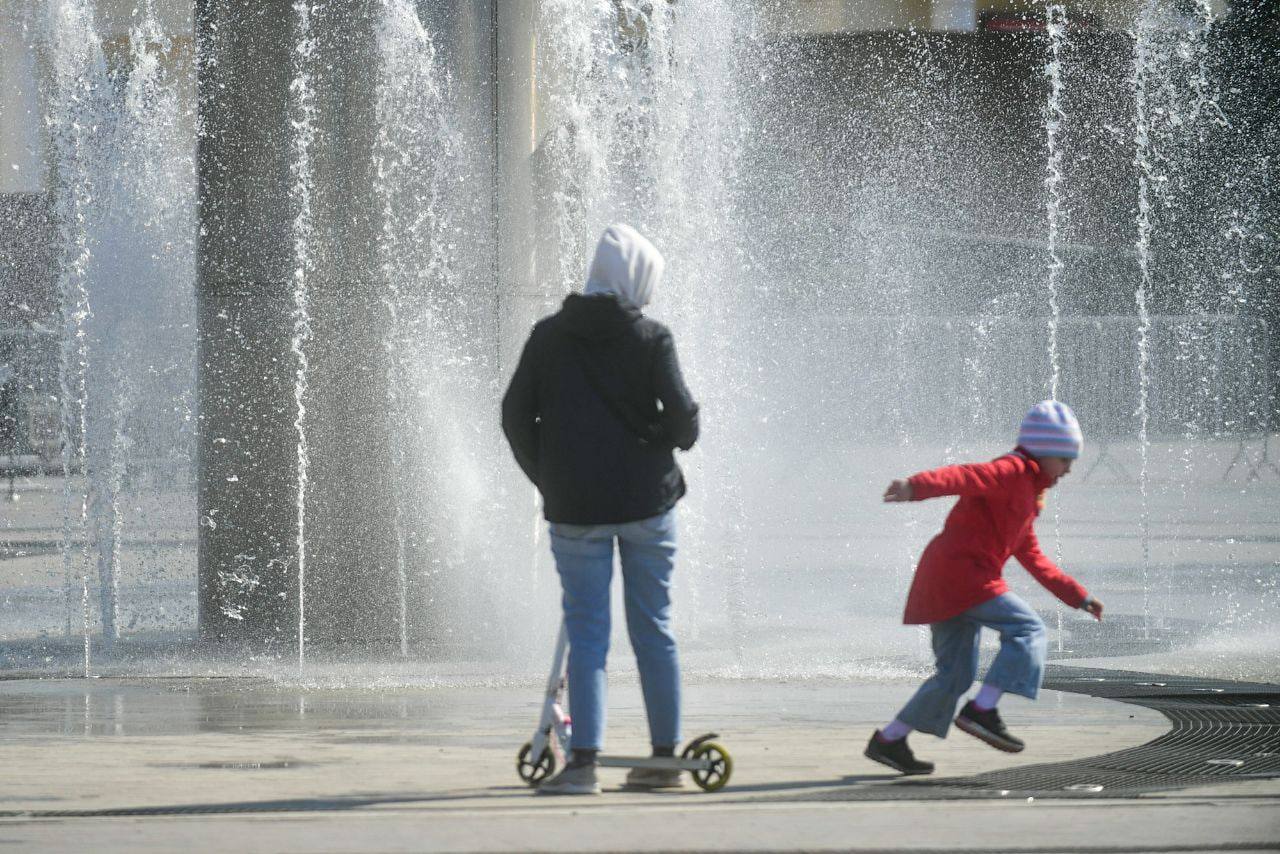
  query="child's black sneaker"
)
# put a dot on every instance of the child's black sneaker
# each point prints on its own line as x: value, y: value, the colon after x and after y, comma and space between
x: 896, y: 755
x: 986, y: 725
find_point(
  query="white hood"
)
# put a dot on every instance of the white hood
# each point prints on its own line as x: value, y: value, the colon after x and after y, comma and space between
x: 625, y: 264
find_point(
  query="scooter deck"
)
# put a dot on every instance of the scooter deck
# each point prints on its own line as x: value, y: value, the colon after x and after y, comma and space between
x: 665, y: 762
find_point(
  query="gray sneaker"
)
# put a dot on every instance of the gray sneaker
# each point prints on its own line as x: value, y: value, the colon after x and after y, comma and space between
x: 655, y: 778
x: 579, y: 780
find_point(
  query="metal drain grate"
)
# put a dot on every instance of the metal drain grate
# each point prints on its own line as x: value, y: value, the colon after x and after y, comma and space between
x: 1115, y: 684
x: 1222, y: 732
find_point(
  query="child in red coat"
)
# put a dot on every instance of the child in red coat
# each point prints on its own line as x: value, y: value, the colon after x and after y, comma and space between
x: 958, y: 586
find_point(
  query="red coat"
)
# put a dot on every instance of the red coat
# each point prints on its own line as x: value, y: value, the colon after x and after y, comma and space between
x: 992, y: 521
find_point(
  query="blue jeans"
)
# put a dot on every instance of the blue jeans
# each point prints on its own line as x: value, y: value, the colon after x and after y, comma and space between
x: 584, y: 559
x: 1017, y: 669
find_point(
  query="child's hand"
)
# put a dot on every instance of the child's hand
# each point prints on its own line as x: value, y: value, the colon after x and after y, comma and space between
x: 899, y: 490
x: 1094, y: 607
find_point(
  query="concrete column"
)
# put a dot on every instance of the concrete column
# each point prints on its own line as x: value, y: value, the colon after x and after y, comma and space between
x: 245, y: 468
x: 22, y: 137
x: 247, y: 450
x: 516, y: 132
x: 27, y: 290
x: 959, y: 16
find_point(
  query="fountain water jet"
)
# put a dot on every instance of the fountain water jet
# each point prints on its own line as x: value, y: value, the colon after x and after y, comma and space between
x: 1055, y: 24
x: 303, y: 110
x: 1143, y: 164
x: 78, y: 83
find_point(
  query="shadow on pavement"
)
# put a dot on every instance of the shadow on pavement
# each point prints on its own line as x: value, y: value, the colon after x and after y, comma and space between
x: 847, y: 780
x: 337, y: 804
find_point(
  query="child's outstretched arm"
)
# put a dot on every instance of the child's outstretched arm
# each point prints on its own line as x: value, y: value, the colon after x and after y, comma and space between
x: 1053, y: 579
x: 967, y: 479
x: 899, y: 490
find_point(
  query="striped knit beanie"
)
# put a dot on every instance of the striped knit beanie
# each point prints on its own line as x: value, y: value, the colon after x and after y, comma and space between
x: 1050, y: 429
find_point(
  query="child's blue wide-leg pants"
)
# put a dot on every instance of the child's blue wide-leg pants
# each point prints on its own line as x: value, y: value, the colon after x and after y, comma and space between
x: 1018, y: 667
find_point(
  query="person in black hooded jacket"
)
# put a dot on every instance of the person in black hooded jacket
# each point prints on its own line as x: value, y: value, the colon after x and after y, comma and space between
x: 593, y: 413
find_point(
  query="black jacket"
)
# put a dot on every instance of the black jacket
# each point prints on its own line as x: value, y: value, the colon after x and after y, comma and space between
x: 597, y: 463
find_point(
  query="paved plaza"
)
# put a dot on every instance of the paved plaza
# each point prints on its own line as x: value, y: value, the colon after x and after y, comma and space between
x: 258, y: 765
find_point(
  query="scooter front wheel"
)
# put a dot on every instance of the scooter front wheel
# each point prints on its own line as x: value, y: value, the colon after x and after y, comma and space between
x: 713, y: 778
x: 533, y: 772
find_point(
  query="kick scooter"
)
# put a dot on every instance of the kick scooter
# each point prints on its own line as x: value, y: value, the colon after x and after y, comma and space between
x: 708, y: 763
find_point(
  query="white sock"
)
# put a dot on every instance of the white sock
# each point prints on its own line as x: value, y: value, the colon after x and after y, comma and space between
x: 894, y: 731
x: 988, y: 696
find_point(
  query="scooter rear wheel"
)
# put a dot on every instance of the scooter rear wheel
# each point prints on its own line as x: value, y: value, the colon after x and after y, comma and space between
x: 532, y: 772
